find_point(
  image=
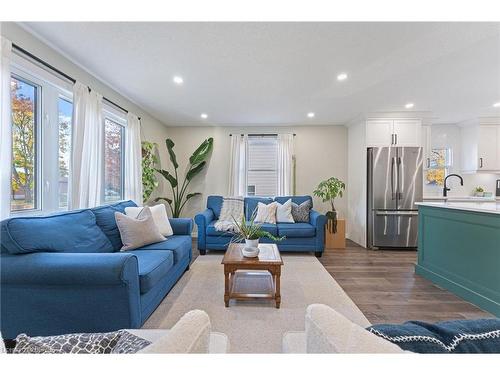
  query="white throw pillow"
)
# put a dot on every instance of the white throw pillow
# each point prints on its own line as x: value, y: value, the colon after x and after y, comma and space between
x: 266, y: 213
x: 191, y: 334
x: 328, y: 331
x: 159, y: 213
x: 284, y: 212
x: 138, y: 232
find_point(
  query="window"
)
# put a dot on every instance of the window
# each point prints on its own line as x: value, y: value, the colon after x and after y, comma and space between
x: 41, y: 138
x: 24, y: 102
x: 262, y: 167
x: 65, y: 108
x: 113, y: 160
x: 437, y: 169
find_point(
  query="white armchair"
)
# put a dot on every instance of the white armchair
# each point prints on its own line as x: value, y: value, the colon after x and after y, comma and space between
x: 327, y: 331
x: 191, y: 334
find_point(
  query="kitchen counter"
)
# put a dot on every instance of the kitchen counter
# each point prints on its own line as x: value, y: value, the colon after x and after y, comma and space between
x: 459, y: 249
x: 491, y: 207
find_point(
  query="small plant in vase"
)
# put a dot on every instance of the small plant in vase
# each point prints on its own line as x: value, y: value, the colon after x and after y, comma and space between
x: 479, y: 191
x: 250, y: 232
x: 328, y: 190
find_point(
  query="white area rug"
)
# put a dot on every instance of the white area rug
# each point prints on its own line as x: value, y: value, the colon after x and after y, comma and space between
x: 254, y: 326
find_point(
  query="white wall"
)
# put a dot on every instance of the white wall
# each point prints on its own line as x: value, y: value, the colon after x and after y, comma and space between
x: 152, y: 129
x: 321, y: 152
x: 356, y: 210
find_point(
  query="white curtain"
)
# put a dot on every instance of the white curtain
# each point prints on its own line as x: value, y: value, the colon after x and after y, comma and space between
x: 133, y: 159
x: 86, y: 178
x: 237, y: 166
x: 285, y: 164
x: 5, y: 128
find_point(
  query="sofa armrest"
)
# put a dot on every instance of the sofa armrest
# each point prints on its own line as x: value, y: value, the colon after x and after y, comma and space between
x: 317, y: 219
x: 69, y: 269
x: 204, y: 217
x: 202, y: 220
x: 47, y: 294
x: 181, y: 225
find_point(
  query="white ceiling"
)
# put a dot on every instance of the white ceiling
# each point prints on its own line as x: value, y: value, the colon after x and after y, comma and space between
x: 275, y: 73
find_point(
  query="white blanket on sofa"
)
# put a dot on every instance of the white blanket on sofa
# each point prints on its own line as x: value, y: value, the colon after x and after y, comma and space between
x: 232, y: 209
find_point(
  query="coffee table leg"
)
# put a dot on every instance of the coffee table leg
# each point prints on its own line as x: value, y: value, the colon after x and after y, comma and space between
x: 278, y: 293
x: 226, y: 287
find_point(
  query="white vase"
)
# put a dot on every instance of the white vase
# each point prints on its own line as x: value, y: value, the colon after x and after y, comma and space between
x: 251, y: 249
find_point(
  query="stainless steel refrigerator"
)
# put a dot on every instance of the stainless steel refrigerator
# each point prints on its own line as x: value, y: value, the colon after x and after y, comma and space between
x: 394, y: 185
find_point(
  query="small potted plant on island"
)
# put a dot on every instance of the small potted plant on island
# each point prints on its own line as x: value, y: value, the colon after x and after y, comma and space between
x: 251, y: 232
x: 328, y: 190
x: 479, y: 191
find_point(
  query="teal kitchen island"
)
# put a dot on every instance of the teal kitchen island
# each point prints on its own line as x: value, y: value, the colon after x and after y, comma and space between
x: 459, y: 250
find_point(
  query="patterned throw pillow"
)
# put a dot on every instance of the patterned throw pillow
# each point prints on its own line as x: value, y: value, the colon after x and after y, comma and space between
x: 300, y: 212
x: 454, y: 336
x: 87, y: 343
x: 129, y: 343
x: 266, y: 213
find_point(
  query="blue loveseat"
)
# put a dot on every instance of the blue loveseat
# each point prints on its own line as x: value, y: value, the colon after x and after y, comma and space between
x: 300, y: 237
x: 65, y: 273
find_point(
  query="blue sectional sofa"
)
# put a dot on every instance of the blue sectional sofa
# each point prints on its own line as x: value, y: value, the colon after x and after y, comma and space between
x: 300, y: 237
x: 65, y: 273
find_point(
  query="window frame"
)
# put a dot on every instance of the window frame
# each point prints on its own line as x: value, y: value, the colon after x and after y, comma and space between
x: 50, y: 88
x: 247, y: 169
x: 119, y: 118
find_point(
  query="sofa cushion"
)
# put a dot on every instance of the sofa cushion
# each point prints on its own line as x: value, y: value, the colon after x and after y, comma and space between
x: 251, y: 204
x: 297, y: 199
x: 153, y: 265
x: 211, y: 231
x: 214, y: 202
x: 455, y: 336
x: 271, y: 228
x: 69, y: 232
x: 105, y: 218
x: 180, y: 245
x: 296, y: 230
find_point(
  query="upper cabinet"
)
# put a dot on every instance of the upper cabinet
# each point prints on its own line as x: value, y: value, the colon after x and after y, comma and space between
x: 481, y: 149
x: 393, y: 132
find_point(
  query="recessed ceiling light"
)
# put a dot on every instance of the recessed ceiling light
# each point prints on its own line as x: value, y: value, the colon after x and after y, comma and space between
x: 178, y: 80
x: 310, y: 114
x: 342, y: 77
x: 204, y: 116
x: 409, y: 105
x: 496, y: 105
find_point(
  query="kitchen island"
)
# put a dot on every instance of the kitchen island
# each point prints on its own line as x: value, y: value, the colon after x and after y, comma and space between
x: 459, y: 250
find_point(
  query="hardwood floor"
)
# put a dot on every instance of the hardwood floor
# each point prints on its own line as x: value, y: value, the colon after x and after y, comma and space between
x: 384, y: 286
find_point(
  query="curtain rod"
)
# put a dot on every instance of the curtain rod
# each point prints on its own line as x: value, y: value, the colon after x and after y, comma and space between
x: 62, y: 74
x: 261, y: 135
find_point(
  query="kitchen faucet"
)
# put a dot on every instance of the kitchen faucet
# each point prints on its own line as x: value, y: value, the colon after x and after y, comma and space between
x: 446, y: 189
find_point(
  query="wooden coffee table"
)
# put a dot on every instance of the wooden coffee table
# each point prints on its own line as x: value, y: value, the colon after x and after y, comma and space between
x: 236, y: 283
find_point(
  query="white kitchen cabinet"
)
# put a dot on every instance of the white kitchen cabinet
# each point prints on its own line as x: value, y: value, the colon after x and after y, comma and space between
x: 393, y: 132
x: 407, y: 133
x: 481, y: 149
x: 488, y: 148
x: 427, y: 145
x: 379, y: 133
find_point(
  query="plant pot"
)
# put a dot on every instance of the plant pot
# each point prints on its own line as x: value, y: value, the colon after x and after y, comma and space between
x: 251, y: 249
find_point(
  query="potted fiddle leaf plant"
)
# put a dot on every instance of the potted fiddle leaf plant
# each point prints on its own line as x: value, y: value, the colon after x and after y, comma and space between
x: 328, y: 190
x: 251, y: 232
x: 197, y: 162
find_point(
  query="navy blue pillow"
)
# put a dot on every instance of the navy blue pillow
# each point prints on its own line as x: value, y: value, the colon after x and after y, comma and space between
x: 454, y: 336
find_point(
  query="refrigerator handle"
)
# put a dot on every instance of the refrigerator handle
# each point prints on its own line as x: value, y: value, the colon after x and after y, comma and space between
x: 399, y: 194
x: 392, y: 178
